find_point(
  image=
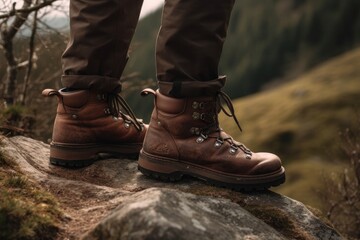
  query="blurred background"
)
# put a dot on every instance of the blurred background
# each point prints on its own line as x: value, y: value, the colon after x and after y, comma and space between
x: 293, y: 70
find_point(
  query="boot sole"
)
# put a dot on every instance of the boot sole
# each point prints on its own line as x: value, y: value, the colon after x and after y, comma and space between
x: 167, y: 169
x: 81, y: 155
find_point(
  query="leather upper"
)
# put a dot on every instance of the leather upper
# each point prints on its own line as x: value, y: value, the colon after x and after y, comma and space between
x: 83, y: 117
x: 179, y: 130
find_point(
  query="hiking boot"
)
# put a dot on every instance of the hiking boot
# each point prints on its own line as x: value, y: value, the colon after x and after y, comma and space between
x: 88, y: 123
x: 184, y: 138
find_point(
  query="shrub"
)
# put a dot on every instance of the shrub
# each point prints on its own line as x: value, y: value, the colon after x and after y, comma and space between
x: 343, y: 192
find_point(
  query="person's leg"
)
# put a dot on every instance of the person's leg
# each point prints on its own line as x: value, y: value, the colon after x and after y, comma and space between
x: 190, y: 43
x: 184, y: 136
x: 91, y: 117
x: 100, y: 35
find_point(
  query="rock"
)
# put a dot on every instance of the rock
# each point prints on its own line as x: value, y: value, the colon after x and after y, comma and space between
x: 112, y: 200
x: 169, y: 214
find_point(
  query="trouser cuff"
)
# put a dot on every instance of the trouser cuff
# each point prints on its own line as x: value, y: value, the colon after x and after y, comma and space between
x: 183, y: 89
x: 93, y: 82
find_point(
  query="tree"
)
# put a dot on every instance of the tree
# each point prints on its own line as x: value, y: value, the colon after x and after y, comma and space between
x: 11, y: 21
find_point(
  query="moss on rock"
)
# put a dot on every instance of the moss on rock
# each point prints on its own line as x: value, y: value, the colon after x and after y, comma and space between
x: 26, y: 210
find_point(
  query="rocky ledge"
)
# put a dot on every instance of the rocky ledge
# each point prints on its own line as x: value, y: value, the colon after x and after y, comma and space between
x: 112, y: 200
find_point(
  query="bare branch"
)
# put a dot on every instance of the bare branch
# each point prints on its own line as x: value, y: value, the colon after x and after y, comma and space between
x: 7, y: 35
x: 27, y: 10
x: 30, y: 56
x: 22, y: 64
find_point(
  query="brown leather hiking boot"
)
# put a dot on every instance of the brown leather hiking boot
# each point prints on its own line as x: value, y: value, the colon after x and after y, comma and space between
x: 184, y: 138
x: 88, y: 123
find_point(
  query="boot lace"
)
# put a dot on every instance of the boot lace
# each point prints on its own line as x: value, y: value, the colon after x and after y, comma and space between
x: 221, y: 100
x: 223, y: 97
x: 116, y: 104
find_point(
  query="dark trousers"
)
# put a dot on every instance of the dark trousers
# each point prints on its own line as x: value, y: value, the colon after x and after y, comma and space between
x: 188, y: 50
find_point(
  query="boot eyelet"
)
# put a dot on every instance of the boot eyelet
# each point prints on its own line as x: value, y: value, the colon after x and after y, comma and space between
x: 207, y: 118
x: 74, y: 116
x: 201, y: 105
x: 201, y: 138
x: 195, y: 105
x: 107, y: 111
x: 233, y: 149
x: 195, y: 130
x: 126, y: 124
x: 248, y: 156
x: 116, y: 118
x: 101, y: 97
x: 196, y: 115
x: 218, y: 143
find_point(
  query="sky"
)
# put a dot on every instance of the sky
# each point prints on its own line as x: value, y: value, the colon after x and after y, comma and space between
x: 149, y: 6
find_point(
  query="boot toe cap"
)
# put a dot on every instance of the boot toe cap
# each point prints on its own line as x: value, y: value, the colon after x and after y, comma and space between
x: 268, y: 163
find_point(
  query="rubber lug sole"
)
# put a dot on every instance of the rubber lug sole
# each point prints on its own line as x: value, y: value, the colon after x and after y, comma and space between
x: 78, y: 155
x: 171, y: 171
x: 71, y: 163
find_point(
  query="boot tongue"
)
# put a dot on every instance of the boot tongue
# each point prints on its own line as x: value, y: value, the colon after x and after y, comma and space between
x: 75, y: 99
x: 169, y: 104
x: 213, y: 106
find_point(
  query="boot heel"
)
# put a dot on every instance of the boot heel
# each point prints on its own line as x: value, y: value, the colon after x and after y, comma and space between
x: 158, y: 169
x: 72, y: 156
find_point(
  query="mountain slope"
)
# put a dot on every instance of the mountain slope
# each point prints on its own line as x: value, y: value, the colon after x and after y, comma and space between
x: 302, y: 118
x: 301, y: 121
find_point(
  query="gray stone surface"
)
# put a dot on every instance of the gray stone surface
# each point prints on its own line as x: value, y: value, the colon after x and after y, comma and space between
x: 112, y: 200
x: 169, y: 214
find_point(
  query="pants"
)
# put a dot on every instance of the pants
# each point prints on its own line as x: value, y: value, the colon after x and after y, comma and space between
x: 188, y: 50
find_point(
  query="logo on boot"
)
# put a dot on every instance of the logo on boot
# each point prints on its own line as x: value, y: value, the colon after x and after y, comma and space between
x: 160, y: 148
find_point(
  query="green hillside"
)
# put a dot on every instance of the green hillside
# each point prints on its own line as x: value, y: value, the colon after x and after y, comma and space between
x: 267, y: 40
x: 301, y: 121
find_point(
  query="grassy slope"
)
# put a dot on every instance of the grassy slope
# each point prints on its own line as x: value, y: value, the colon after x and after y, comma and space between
x: 301, y: 120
